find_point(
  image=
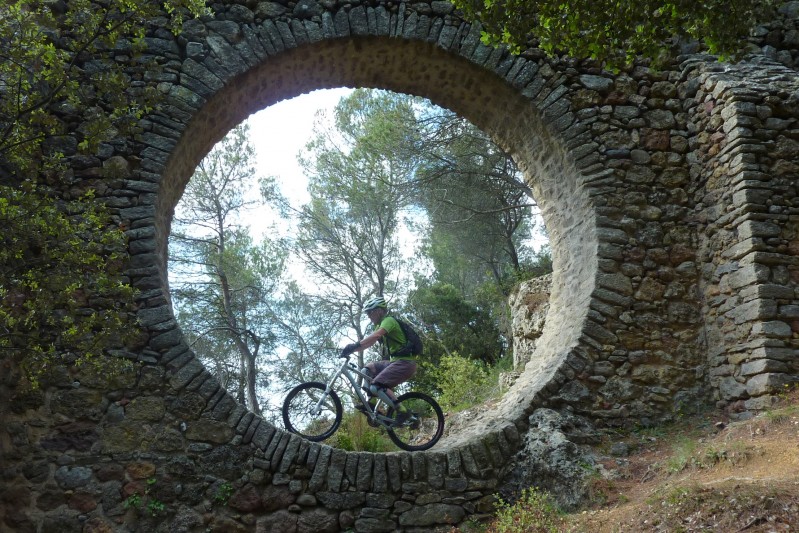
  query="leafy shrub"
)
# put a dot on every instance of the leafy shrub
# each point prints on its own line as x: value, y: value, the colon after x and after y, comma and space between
x: 356, y: 435
x: 64, y: 295
x: 462, y: 382
x: 534, y: 512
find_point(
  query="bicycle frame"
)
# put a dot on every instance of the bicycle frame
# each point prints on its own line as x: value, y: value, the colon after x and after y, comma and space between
x: 414, y: 421
x: 349, y: 370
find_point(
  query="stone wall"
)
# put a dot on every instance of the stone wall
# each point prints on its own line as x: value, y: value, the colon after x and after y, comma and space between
x: 746, y: 169
x: 669, y: 198
x: 171, y: 453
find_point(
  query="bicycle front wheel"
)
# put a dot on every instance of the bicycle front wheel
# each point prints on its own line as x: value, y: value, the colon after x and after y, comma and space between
x: 424, y: 423
x: 312, y: 413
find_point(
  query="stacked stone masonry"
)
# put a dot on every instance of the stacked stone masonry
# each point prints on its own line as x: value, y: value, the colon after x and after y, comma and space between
x: 669, y: 196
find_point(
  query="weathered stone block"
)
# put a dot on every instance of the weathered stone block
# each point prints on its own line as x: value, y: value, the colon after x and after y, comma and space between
x: 429, y: 515
x: 593, y: 82
x: 318, y: 521
x: 761, y: 403
x: 335, y: 471
x: 762, y: 366
x: 290, y: 455
x: 72, y: 477
x: 275, y: 498
x: 373, y: 525
x: 186, y: 374
x: 78, y: 403
x: 767, y: 383
x: 774, y: 329
x: 209, y: 431
x: 341, y: 500
x: 150, y: 408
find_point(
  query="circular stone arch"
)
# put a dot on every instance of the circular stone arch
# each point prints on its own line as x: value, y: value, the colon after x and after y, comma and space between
x: 511, y: 99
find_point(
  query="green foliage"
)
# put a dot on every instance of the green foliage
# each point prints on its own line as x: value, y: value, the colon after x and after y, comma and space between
x: 42, y: 46
x: 384, y: 156
x: 539, y: 264
x: 462, y: 382
x: 615, y: 32
x: 155, y: 507
x: 146, y: 501
x: 688, y: 453
x: 383, y: 160
x: 453, y: 324
x: 533, y: 512
x: 480, y: 219
x: 223, y: 493
x: 783, y: 414
x: 134, y: 501
x: 63, y: 294
x: 355, y: 434
x: 682, y: 456
x: 477, y: 202
x: 785, y: 408
x: 306, y: 327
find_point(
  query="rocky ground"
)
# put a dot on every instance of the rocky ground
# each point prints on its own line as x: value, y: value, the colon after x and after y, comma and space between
x: 704, y: 473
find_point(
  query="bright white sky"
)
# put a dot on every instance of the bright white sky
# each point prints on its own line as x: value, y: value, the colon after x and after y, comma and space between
x: 280, y: 131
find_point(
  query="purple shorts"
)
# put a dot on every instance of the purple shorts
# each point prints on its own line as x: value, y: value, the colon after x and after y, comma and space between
x: 391, y: 373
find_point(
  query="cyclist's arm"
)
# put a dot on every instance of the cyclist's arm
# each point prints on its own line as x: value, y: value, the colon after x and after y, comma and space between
x: 372, y: 338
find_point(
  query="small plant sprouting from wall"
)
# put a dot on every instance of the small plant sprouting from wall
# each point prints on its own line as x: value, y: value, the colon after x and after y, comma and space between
x: 134, y: 501
x: 146, y: 502
x: 223, y: 493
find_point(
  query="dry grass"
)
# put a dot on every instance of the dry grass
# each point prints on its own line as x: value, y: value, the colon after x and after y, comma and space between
x: 706, y: 474
x: 703, y: 474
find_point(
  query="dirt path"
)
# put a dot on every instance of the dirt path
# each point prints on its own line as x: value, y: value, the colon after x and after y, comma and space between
x: 705, y: 474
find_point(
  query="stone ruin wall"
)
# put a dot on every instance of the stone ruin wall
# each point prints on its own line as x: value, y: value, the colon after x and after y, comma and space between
x: 721, y: 227
x: 746, y: 205
x: 691, y: 177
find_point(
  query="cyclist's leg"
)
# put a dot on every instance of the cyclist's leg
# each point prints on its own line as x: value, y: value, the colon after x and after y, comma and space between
x: 375, y: 368
x: 395, y: 373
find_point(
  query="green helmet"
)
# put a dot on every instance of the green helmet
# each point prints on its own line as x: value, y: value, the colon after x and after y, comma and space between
x: 374, y: 303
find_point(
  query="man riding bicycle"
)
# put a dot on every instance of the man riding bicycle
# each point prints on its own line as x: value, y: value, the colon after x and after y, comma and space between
x: 390, y: 370
x: 413, y: 421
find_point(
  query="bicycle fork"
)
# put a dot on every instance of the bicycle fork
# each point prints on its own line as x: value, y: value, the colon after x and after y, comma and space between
x: 316, y: 410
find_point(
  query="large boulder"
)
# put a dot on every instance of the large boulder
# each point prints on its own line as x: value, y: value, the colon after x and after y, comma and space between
x: 529, y: 304
x: 554, y: 459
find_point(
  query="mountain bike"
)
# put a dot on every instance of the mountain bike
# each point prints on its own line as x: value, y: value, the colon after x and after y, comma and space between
x: 313, y: 410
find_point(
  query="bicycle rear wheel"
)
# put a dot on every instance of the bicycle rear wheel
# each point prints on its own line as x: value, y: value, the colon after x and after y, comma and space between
x: 424, y: 426
x: 312, y: 413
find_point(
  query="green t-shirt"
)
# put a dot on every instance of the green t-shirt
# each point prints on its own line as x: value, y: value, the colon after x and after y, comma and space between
x: 393, y: 340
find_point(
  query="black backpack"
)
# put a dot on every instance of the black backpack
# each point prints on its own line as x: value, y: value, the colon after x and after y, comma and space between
x: 413, y: 343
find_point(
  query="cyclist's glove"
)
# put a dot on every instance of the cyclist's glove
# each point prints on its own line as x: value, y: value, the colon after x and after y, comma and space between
x: 348, y: 349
